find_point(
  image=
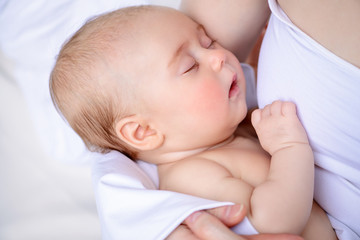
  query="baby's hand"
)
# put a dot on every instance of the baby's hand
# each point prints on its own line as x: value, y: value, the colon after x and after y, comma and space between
x: 278, y: 126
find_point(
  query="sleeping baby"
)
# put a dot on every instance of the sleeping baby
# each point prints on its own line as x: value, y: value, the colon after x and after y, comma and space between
x: 149, y: 82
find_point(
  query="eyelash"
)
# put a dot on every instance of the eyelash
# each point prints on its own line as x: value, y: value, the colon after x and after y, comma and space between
x: 196, y: 64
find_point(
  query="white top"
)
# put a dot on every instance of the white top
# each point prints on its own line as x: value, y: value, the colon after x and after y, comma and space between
x: 292, y: 66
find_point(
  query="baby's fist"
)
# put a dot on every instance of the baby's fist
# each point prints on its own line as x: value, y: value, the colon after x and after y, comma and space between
x: 278, y: 126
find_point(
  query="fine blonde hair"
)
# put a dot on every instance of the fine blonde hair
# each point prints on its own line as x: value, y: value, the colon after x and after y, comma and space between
x: 85, y: 86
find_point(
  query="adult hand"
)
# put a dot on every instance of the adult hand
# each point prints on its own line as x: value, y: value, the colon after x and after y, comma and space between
x: 227, y: 215
x: 206, y: 226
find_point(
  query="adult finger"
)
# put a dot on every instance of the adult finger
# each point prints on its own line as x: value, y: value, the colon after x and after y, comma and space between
x: 182, y: 232
x: 208, y: 227
x: 230, y: 215
x: 274, y: 237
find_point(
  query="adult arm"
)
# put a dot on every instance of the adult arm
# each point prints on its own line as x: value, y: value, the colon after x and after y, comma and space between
x: 235, y: 24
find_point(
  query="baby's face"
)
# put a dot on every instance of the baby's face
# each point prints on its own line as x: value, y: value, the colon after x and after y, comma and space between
x: 192, y: 88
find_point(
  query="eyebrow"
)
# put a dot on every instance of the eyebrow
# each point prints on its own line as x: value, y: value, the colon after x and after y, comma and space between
x: 178, y: 51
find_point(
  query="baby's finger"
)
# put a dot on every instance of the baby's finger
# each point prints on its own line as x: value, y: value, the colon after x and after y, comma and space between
x: 255, y: 117
x: 288, y: 108
x: 275, y: 107
x: 265, y: 112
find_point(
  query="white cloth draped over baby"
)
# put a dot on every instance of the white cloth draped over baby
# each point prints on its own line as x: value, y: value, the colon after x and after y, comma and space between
x: 325, y: 88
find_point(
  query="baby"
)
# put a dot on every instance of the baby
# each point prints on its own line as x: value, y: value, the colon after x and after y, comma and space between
x: 149, y: 82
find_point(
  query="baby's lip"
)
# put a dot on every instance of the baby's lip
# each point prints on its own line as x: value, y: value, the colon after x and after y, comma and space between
x: 234, y: 87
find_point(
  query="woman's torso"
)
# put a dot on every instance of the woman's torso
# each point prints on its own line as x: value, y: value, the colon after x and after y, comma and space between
x: 325, y: 88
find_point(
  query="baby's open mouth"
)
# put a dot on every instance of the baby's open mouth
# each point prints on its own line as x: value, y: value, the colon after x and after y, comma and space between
x: 234, y: 88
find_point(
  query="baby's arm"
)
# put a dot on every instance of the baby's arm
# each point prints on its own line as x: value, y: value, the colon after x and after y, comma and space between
x: 283, y: 202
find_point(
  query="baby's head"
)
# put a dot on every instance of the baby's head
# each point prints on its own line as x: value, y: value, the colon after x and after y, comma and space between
x: 146, y: 78
x: 88, y: 83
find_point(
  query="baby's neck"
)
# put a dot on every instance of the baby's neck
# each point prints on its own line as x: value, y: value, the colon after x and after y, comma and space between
x: 164, y: 158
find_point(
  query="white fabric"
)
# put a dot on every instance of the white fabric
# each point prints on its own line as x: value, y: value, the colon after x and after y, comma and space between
x: 31, y: 36
x: 41, y: 198
x: 128, y: 203
x: 245, y: 227
x: 292, y: 66
x: 130, y: 206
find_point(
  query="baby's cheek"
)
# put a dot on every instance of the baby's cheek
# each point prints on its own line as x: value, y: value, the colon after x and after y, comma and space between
x: 208, y: 99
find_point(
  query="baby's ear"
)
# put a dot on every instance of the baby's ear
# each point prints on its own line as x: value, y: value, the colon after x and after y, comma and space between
x: 136, y: 132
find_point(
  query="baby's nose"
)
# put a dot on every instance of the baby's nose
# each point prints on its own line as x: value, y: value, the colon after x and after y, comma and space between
x: 217, y: 59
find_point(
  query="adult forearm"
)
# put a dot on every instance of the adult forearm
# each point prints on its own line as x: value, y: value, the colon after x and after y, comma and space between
x: 235, y: 24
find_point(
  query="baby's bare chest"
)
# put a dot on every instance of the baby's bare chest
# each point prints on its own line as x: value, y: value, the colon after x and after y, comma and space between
x: 243, y: 159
